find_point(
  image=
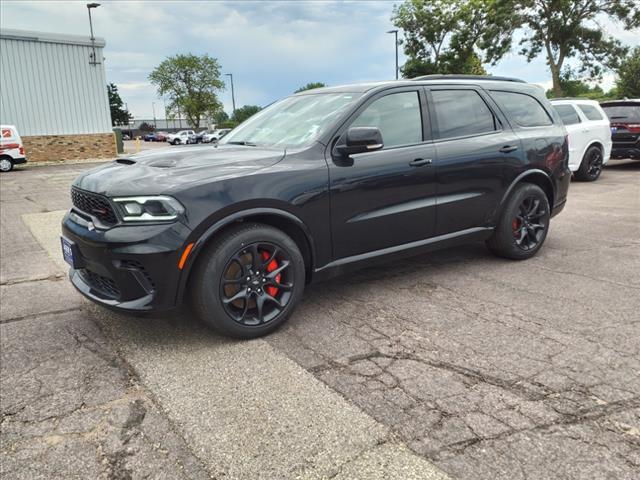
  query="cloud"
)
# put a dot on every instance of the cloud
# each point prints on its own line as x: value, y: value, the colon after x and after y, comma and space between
x: 128, y: 86
x: 272, y: 48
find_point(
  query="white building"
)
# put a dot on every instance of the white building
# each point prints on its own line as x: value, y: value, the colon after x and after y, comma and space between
x: 54, y: 92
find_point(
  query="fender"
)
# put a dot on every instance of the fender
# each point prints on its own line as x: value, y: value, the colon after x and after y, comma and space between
x: 596, y: 143
x: 234, y: 217
x: 533, y: 171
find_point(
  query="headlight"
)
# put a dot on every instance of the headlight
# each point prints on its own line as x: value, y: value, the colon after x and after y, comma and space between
x: 155, y: 208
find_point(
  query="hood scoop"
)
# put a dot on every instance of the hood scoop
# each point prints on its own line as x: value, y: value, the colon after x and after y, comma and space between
x: 125, y: 161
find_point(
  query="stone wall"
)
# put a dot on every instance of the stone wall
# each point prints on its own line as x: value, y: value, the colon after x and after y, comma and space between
x: 52, y: 148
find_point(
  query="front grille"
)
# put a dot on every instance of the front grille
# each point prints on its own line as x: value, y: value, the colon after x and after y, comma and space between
x: 94, y: 204
x: 104, y: 285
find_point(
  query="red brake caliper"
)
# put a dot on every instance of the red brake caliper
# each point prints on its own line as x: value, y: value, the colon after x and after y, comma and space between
x: 515, y: 226
x: 273, y: 264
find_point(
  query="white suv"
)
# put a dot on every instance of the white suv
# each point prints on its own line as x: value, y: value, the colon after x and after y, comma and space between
x: 182, y: 137
x: 589, y: 136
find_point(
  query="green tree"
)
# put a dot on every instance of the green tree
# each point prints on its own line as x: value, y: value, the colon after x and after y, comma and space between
x: 119, y: 116
x: 561, y: 30
x: 147, y: 127
x: 572, y: 86
x: 220, y: 117
x: 190, y: 82
x: 628, y: 82
x: 310, y: 86
x: 242, y: 113
x: 440, y: 35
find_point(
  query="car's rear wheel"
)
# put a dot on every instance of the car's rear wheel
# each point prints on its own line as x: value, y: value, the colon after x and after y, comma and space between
x: 6, y: 164
x: 524, y: 224
x: 248, y: 281
x: 591, y: 165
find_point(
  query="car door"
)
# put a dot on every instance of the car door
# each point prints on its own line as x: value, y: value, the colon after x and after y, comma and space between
x: 577, y: 130
x: 385, y: 197
x: 598, y: 125
x: 473, y: 144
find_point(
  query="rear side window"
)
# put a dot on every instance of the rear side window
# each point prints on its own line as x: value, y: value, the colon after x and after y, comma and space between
x: 461, y: 113
x: 568, y: 114
x: 525, y: 110
x: 590, y: 112
x: 398, y: 117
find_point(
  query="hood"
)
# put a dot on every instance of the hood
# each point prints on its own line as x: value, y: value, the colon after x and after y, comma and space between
x: 171, y: 169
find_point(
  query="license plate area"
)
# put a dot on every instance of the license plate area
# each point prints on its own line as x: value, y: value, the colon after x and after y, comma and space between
x: 71, y: 253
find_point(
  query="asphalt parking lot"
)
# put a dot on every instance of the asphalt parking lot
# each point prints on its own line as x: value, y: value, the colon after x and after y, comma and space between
x: 451, y: 364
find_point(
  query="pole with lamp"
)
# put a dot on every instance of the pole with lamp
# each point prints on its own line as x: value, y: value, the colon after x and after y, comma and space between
x: 129, y: 120
x: 94, y: 60
x: 395, y: 33
x: 153, y: 106
x: 233, y: 96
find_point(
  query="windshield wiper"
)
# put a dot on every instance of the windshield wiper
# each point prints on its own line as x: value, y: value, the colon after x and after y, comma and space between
x: 620, y: 116
x: 248, y: 144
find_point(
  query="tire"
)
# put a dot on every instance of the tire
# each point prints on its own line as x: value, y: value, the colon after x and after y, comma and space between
x: 591, y: 165
x: 6, y: 164
x: 262, y: 303
x: 523, y: 225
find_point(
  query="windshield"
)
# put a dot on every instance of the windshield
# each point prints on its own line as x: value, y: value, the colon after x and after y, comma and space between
x: 291, y: 122
x: 623, y: 113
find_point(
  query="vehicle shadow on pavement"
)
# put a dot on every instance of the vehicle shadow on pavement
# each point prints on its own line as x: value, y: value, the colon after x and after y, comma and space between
x: 630, y: 165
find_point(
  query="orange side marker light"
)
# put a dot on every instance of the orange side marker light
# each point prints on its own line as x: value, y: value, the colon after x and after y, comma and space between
x: 185, y: 254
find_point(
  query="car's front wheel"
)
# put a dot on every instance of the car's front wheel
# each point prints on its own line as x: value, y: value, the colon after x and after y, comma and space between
x: 6, y: 164
x: 248, y: 282
x: 524, y: 224
x: 591, y: 165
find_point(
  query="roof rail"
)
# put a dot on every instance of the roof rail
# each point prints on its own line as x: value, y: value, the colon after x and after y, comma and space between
x: 468, y: 77
x: 570, y: 98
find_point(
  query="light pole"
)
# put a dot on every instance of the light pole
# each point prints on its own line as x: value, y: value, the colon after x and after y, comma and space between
x: 233, y: 96
x: 395, y: 33
x: 93, y: 61
x: 153, y: 106
x: 126, y: 107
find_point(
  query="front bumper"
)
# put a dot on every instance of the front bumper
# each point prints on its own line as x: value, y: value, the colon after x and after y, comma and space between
x: 129, y: 268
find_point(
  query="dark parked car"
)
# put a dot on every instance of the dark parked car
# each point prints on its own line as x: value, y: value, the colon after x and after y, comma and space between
x: 316, y: 184
x: 624, y: 116
x: 161, y: 137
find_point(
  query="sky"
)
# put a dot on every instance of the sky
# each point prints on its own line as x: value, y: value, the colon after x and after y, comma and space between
x: 271, y: 47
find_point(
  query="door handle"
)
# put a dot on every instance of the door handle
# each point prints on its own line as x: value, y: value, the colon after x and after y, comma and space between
x: 508, y: 148
x: 418, y: 162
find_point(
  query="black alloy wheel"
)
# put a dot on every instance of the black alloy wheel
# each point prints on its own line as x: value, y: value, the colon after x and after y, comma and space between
x: 248, y: 281
x: 591, y: 165
x: 523, y: 225
x: 529, y: 224
x: 257, y: 283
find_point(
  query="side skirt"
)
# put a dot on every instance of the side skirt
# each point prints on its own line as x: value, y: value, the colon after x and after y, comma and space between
x: 354, y: 262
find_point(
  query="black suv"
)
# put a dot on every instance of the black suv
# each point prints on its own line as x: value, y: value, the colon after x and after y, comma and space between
x: 624, y: 116
x: 313, y: 185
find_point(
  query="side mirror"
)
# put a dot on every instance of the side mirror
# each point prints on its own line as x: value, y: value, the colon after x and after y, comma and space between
x: 359, y: 140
